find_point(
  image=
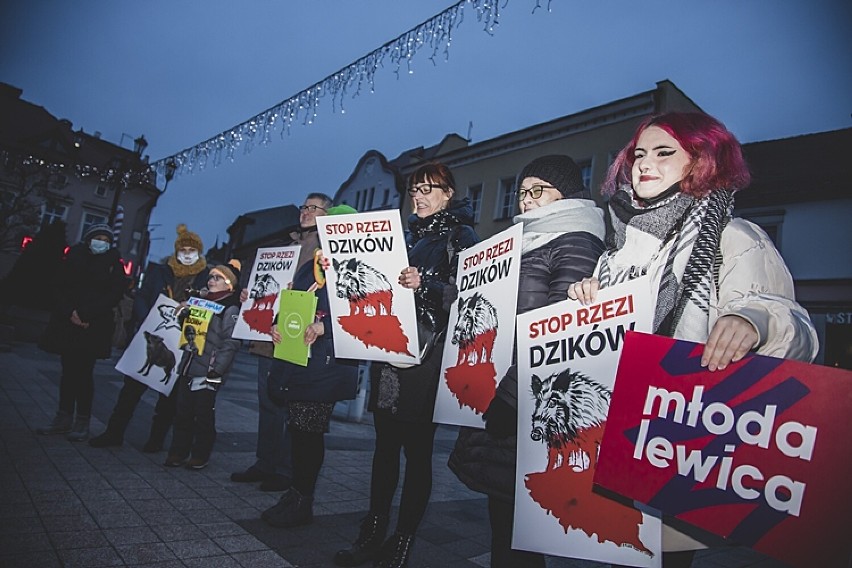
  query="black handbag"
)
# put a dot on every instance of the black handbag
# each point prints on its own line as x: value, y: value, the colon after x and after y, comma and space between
x: 322, y: 381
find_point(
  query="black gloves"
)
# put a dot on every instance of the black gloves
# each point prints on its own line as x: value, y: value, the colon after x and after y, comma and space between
x: 213, y: 378
x: 501, y: 420
x: 451, y: 294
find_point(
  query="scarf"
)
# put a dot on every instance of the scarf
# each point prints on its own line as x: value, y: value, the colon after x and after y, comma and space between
x: 543, y: 224
x: 182, y: 270
x: 695, y: 227
x: 438, y: 223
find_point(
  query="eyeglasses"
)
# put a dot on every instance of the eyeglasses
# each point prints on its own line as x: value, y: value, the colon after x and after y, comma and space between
x: 534, y: 192
x: 311, y: 208
x: 216, y: 278
x: 424, y: 188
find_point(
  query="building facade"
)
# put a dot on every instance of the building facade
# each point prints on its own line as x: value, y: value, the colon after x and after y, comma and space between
x: 801, y: 195
x: 50, y: 172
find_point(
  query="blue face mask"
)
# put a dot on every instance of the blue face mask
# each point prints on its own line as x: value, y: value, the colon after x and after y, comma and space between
x: 98, y: 247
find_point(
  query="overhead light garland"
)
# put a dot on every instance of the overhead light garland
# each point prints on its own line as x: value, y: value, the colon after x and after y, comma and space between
x: 434, y: 35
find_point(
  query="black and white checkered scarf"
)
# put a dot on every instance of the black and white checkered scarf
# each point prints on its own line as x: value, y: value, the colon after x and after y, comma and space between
x: 695, y: 226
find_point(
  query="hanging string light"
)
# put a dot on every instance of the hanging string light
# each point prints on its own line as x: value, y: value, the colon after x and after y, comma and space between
x: 433, y: 35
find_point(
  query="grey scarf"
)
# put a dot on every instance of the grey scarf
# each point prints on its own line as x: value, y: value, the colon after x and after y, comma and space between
x: 695, y: 225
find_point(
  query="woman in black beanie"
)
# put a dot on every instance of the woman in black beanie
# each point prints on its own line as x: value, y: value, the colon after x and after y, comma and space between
x: 89, y: 285
x: 562, y: 240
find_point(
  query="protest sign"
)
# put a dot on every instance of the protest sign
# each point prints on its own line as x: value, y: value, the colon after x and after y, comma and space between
x: 272, y: 271
x: 757, y: 453
x: 152, y: 355
x: 193, y: 331
x: 373, y: 317
x: 480, y: 334
x: 567, y: 360
x: 297, y: 312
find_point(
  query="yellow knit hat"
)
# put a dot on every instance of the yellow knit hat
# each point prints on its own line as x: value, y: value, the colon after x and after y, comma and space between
x: 187, y: 238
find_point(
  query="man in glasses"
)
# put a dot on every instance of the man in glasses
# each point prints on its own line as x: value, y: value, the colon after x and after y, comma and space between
x: 272, y: 468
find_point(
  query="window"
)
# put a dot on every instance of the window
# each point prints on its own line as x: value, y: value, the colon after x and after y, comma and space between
x: 506, y: 199
x: 91, y: 219
x: 386, y: 199
x: 59, y: 181
x: 371, y: 195
x: 101, y: 191
x: 53, y: 212
x: 474, y: 193
x: 586, y: 172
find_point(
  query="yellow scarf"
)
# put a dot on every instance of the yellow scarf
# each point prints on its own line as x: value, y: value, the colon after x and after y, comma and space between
x: 182, y: 270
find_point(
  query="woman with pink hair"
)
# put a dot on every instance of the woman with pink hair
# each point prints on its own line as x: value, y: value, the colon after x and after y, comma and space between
x: 719, y: 280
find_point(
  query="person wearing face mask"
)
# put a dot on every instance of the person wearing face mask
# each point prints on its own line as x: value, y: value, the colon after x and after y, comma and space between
x: 562, y: 240
x: 185, y: 270
x: 402, y: 400
x: 87, y: 289
x: 719, y: 280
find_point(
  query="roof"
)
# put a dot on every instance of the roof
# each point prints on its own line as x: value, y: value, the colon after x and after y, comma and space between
x: 29, y: 129
x: 264, y: 223
x: 802, y: 168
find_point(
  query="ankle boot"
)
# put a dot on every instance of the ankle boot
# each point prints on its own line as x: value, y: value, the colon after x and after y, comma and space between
x: 61, y: 424
x: 367, y: 545
x: 292, y: 510
x: 80, y: 431
x: 396, y: 551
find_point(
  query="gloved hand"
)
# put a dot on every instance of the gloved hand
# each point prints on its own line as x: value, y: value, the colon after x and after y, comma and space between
x: 213, y: 378
x: 501, y: 420
x: 451, y: 294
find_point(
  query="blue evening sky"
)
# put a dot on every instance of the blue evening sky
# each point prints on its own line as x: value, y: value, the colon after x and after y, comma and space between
x: 180, y: 72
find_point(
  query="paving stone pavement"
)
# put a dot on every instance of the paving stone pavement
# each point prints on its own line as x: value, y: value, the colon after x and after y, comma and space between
x: 68, y: 504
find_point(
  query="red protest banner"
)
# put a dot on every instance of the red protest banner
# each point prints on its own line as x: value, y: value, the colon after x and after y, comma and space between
x: 758, y: 453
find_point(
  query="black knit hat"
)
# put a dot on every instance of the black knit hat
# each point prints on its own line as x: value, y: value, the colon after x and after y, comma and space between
x: 559, y: 171
x: 101, y: 229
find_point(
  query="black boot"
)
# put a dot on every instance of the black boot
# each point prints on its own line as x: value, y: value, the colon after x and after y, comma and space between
x: 157, y: 438
x: 292, y: 510
x: 370, y: 538
x: 396, y: 551
x: 61, y: 424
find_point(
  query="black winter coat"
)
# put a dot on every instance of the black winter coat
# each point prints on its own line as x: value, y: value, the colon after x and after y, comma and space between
x: 91, y: 284
x: 433, y: 246
x: 481, y: 461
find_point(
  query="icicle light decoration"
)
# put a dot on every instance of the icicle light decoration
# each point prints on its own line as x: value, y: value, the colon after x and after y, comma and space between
x: 433, y: 35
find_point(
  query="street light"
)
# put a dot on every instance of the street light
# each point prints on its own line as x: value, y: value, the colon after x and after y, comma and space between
x: 118, y: 171
x: 139, y: 145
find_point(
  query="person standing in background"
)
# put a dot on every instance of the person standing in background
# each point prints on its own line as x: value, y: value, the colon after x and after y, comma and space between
x: 185, y: 270
x: 273, y: 467
x: 89, y: 285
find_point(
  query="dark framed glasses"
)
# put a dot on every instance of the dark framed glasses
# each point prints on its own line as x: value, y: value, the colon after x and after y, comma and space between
x: 311, y: 208
x: 534, y: 192
x: 424, y: 188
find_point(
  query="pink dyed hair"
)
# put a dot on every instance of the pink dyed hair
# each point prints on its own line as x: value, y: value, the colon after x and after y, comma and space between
x: 716, y: 157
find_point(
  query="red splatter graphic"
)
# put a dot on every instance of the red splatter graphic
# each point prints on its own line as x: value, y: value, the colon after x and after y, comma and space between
x: 260, y: 315
x: 565, y: 491
x: 373, y: 304
x: 473, y: 379
x: 382, y: 331
x: 472, y: 385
